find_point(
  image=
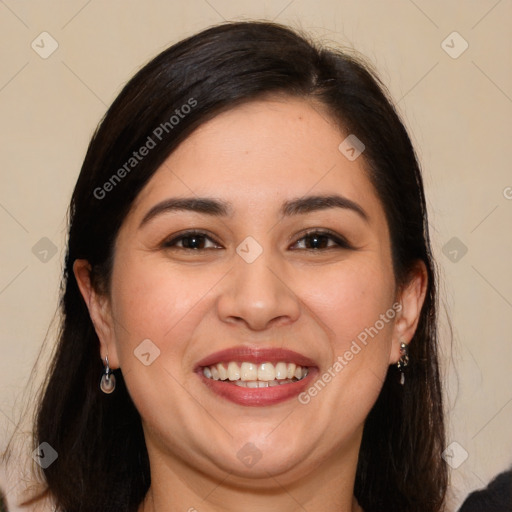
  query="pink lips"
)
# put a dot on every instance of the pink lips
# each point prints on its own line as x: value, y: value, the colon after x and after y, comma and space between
x: 257, y: 396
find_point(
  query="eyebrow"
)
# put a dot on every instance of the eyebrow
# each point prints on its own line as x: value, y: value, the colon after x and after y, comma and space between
x: 220, y: 208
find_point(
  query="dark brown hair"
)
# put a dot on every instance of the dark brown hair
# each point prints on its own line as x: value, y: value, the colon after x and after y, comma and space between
x: 103, y: 463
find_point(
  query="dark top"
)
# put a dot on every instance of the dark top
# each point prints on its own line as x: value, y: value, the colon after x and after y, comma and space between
x: 496, y: 497
x: 3, y: 505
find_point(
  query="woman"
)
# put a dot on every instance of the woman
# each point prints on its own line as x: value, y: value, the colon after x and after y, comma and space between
x: 249, y: 275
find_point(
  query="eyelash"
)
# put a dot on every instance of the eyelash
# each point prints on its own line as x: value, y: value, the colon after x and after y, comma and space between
x: 341, y: 242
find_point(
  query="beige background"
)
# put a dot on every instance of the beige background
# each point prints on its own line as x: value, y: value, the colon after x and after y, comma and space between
x: 458, y: 111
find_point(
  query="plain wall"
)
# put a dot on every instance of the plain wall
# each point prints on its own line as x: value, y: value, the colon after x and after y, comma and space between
x: 458, y: 111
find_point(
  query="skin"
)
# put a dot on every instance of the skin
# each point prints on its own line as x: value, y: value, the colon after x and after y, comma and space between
x: 314, y: 299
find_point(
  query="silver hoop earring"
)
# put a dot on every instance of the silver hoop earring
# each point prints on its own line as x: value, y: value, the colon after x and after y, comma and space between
x: 108, y: 379
x: 403, y: 361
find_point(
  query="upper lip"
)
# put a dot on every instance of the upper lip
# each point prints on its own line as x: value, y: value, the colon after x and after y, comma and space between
x: 256, y: 355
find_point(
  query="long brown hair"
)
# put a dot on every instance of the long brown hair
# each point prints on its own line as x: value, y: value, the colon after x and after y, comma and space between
x: 103, y: 463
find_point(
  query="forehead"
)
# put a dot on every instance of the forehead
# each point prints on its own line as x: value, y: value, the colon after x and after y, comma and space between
x: 259, y: 153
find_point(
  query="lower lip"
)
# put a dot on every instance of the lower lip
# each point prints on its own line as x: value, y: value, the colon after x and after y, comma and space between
x: 258, y: 397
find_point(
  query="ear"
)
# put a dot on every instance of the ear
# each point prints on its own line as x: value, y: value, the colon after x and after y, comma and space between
x: 99, y: 310
x: 411, y: 297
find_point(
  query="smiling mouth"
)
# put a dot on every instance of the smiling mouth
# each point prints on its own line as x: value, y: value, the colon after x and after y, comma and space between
x: 255, y: 375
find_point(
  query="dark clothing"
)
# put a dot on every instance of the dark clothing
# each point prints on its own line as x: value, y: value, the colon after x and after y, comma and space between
x: 3, y: 505
x: 496, y: 497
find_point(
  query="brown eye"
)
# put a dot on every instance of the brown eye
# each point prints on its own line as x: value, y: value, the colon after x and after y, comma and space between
x: 321, y: 240
x: 192, y: 240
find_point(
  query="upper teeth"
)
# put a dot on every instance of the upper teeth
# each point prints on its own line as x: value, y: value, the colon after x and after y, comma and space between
x: 250, y: 371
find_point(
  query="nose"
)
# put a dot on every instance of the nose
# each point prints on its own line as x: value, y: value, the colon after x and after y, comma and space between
x: 258, y: 294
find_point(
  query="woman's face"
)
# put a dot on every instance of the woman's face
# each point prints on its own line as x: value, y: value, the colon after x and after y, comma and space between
x: 290, y: 252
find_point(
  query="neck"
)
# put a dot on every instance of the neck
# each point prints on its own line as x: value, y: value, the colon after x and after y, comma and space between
x: 177, y: 486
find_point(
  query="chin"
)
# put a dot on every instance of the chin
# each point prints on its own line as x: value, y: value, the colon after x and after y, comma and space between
x: 257, y: 459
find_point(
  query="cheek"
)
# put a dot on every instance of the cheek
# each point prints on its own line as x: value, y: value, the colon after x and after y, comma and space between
x: 158, y: 302
x: 355, y: 306
x: 165, y: 305
x: 351, y: 299
x: 348, y: 301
